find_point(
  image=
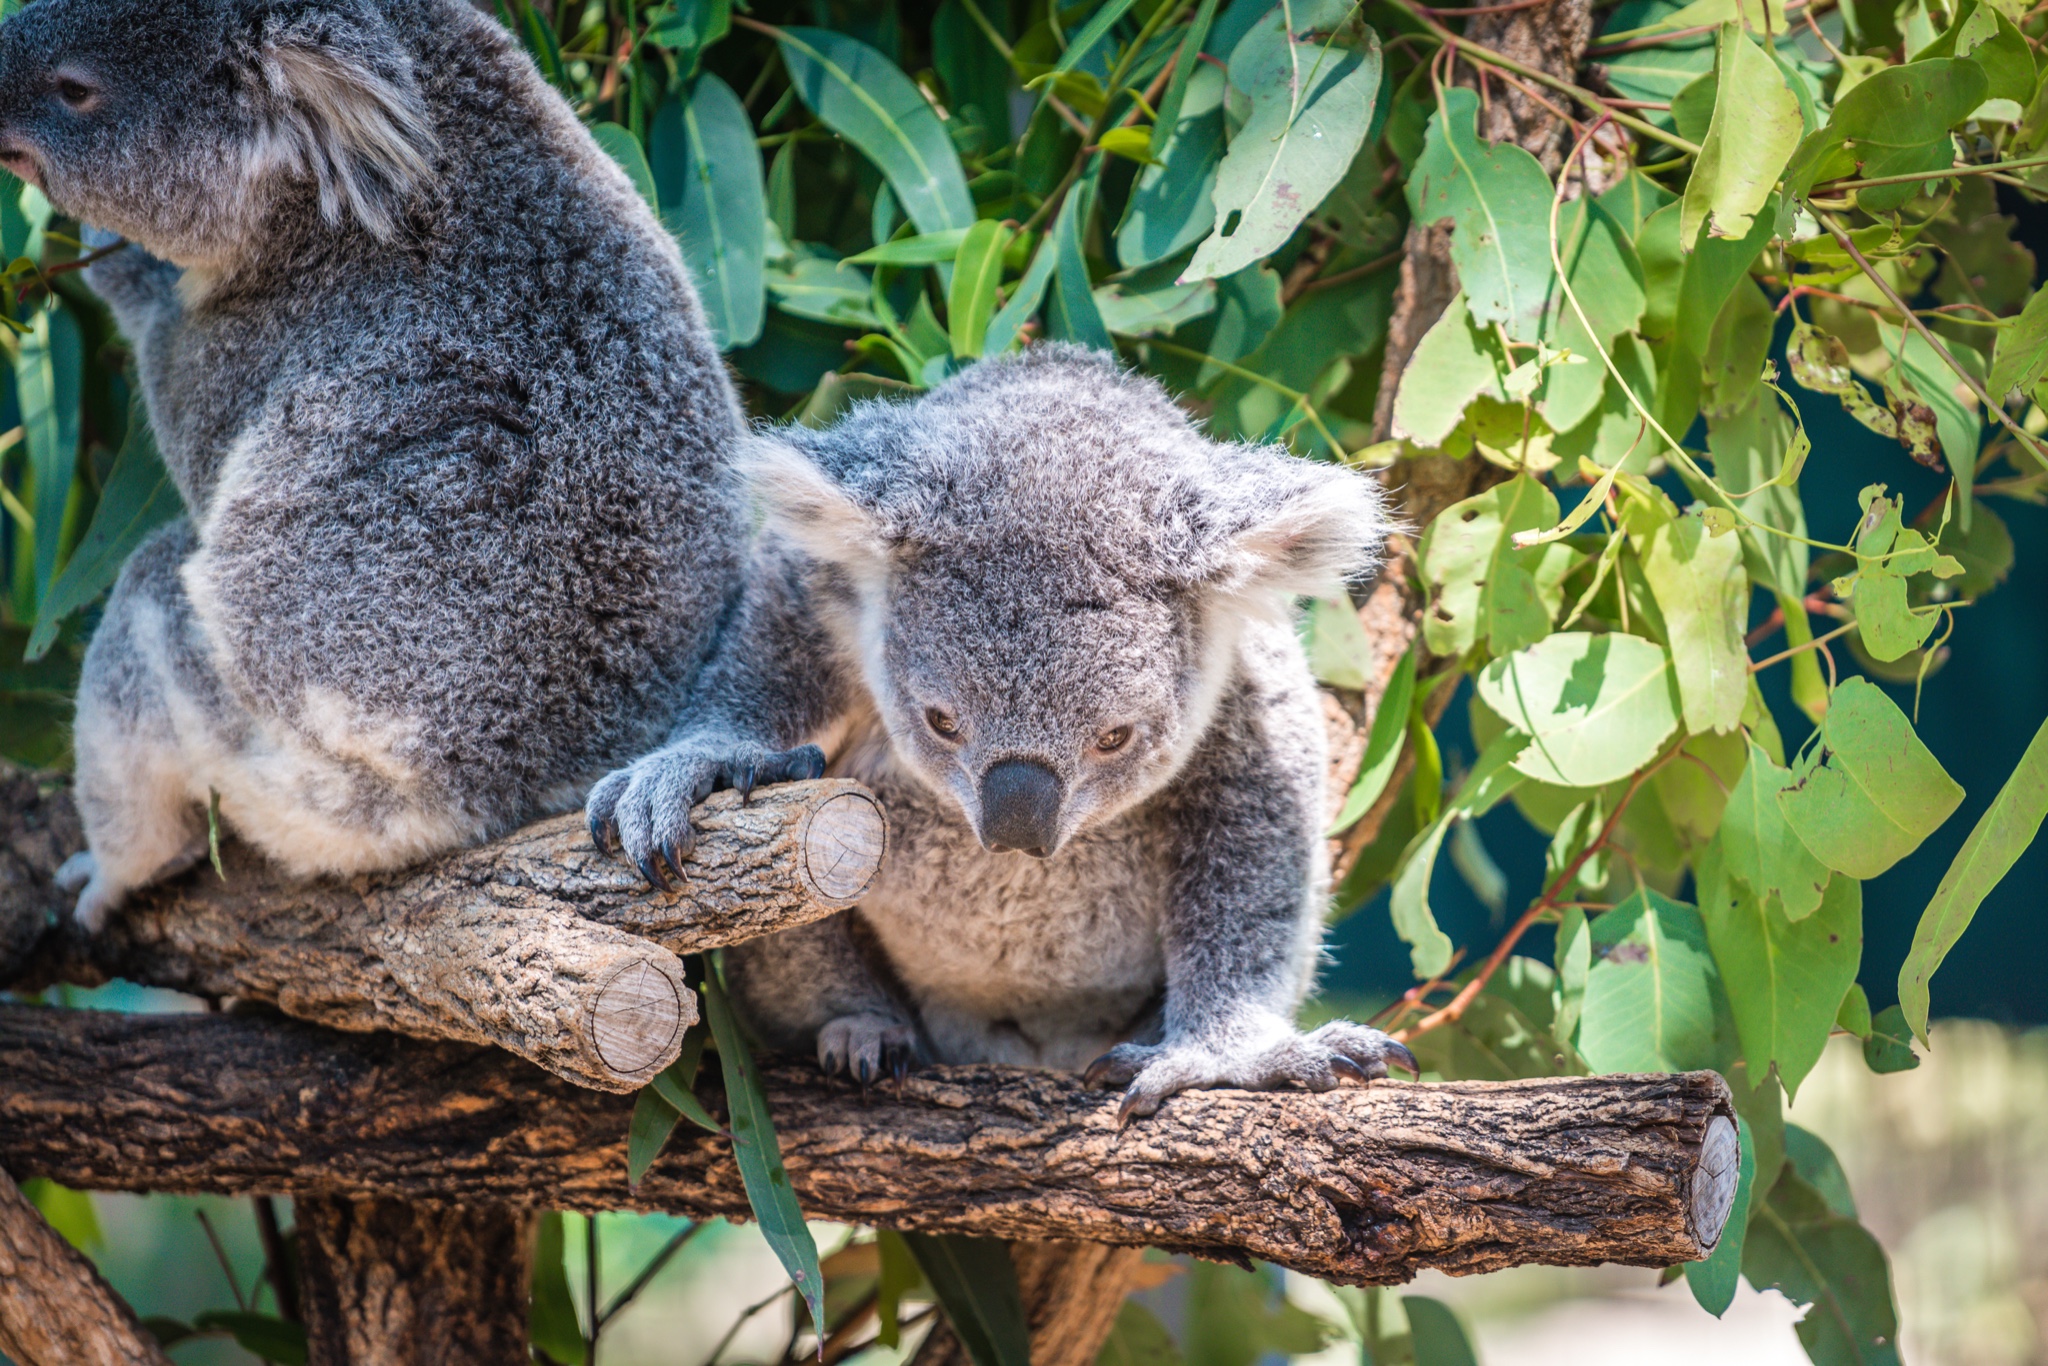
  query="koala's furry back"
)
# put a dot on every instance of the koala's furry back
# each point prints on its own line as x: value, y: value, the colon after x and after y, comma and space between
x: 462, y: 498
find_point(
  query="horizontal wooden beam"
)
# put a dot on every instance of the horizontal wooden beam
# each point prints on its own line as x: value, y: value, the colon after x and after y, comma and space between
x: 1363, y: 1185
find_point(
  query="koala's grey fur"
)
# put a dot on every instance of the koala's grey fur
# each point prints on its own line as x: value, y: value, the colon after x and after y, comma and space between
x: 454, y: 439
x: 1039, y: 552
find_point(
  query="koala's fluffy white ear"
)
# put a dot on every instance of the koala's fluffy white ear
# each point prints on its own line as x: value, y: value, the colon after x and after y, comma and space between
x: 362, y: 134
x: 1299, y: 528
x: 824, y: 516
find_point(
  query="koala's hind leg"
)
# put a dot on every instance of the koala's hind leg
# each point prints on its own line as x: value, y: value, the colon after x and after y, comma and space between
x: 810, y: 988
x: 147, y: 684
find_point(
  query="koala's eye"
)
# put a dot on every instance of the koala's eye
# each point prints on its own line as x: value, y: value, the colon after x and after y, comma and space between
x: 76, y: 94
x: 1110, y: 741
x: 941, y: 722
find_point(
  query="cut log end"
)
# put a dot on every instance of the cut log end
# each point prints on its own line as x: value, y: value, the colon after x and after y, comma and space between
x: 1714, y: 1180
x: 843, y: 838
x: 638, y: 1015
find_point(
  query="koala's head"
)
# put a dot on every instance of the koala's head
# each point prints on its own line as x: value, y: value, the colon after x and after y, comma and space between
x: 1051, y: 566
x: 177, y: 122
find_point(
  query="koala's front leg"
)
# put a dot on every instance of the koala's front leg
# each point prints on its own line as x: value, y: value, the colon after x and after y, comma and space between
x: 644, y: 809
x: 142, y: 290
x: 1242, y: 931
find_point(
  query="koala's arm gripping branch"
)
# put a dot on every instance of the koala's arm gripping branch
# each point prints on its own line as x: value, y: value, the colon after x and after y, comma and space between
x: 1360, y: 1185
x: 537, y: 943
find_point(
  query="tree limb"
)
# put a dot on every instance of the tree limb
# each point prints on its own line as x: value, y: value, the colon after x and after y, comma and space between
x: 54, y: 1308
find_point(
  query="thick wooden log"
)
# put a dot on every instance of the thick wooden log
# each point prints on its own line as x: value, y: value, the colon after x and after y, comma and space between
x: 1362, y: 1185
x: 392, y: 1282
x: 54, y: 1308
x: 537, y: 943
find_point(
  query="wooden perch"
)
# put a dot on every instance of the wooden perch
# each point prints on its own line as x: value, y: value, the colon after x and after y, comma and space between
x: 1365, y: 1185
x: 537, y: 943
x: 54, y: 1308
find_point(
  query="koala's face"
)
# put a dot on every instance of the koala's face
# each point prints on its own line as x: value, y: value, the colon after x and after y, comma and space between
x: 175, y: 122
x: 119, y: 111
x: 1043, y: 695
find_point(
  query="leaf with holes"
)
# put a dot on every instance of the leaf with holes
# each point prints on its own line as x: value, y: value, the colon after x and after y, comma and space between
x: 1481, y: 587
x: 1651, y: 993
x: 1755, y: 127
x: 1869, y: 792
x: 1498, y: 201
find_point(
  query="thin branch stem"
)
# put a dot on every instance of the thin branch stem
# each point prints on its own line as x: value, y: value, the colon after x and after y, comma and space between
x: 1987, y: 168
x: 649, y: 1272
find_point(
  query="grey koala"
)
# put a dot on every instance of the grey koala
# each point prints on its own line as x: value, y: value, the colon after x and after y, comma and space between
x: 1048, y: 621
x: 454, y: 439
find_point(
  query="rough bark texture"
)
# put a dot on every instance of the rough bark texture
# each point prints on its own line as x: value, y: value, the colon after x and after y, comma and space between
x: 1364, y: 1185
x: 393, y: 1282
x: 537, y: 943
x: 54, y: 1308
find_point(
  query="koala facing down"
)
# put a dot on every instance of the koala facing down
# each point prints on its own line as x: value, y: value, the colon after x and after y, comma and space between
x: 451, y: 431
x: 1048, y: 622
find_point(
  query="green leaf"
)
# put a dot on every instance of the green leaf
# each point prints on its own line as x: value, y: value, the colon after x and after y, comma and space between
x: 1760, y: 847
x: 1138, y: 1339
x: 1756, y: 126
x: 1454, y: 363
x: 68, y: 1211
x: 1009, y: 320
x: 1713, y: 1280
x: 1600, y: 261
x: 976, y: 1285
x: 1703, y: 593
x: 899, y: 1276
x: 1704, y: 13
x: 1171, y: 206
x: 1142, y: 306
x: 48, y: 372
x: 1960, y: 426
x: 1482, y: 588
x: 1439, y: 1336
x: 1311, y: 105
x: 1248, y: 308
x: 687, y: 27
x: 2001, y: 835
x: 708, y: 179
x: 551, y: 1315
x: 1083, y: 43
x: 1813, y: 1256
x: 1494, y: 1041
x: 1485, y: 785
x: 654, y: 1119
x: 826, y: 289
x: 1072, y: 314
x: 1869, y: 792
x: 1382, y: 745
x: 1784, y: 979
x: 1650, y: 993
x: 1897, y: 122
x: 862, y: 96
x: 1853, y: 1015
x: 2020, y: 356
x: 1598, y: 707
x: 1132, y: 144
x: 977, y: 271
x: 1756, y: 449
x: 977, y: 77
x: 621, y: 146
x: 1815, y: 1163
x: 1890, y: 1045
x: 1238, y: 1318
x: 264, y: 1335
x: 1497, y: 198
x: 137, y: 498
x: 928, y: 249
x: 759, y: 1156
x: 1711, y: 269
x: 1993, y: 43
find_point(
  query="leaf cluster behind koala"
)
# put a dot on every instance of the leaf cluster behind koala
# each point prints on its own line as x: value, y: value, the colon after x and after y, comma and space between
x: 453, y: 437
x: 1049, y: 622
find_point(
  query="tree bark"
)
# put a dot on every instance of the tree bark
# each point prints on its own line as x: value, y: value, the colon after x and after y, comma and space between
x: 54, y: 1308
x: 401, y: 1282
x: 1365, y: 1185
x: 537, y: 943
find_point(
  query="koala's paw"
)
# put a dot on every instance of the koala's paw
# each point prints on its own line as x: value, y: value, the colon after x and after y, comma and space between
x: 1320, y: 1061
x: 644, y: 810
x: 867, y: 1047
x: 97, y: 895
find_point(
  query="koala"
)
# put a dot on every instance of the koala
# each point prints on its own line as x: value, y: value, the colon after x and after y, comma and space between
x: 455, y: 442
x: 1049, y: 623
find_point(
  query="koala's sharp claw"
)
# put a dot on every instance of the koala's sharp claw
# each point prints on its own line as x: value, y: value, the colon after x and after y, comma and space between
x: 831, y: 1063
x: 1398, y: 1054
x: 1350, y: 1070
x: 1132, y: 1107
x: 810, y: 764
x: 744, y: 778
x: 650, y: 869
x: 597, y: 835
x: 1098, y: 1072
x: 865, y: 1071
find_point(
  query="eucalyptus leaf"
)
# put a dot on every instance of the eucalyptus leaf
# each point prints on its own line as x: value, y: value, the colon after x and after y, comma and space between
x: 1703, y: 593
x: 48, y: 371
x: 1651, y: 992
x: 1597, y: 706
x: 708, y: 178
x: 1866, y: 795
x: 1497, y: 199
x: 1713, y: 1280
x: 976, y: 1284
x: 1756, y: 126
x: 1482, y: 588
x: 1814, y: 1256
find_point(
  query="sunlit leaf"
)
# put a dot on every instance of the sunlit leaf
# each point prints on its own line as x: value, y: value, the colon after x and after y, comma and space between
x: 1171, y: 206
x: 1382, y: 745
x: 621, y: 146
x: 1650, y: 996
x: 1869, y: 791
x: 977, y: 271
x: 1598, y: 706
x: 1498, y: 200
x: 1759, y: 847
x: 1482, y: 588
x: 1703, y: 594
x: 1756, y: 126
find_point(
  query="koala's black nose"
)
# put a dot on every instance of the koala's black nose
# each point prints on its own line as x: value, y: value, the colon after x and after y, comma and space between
x: 1020, y: 807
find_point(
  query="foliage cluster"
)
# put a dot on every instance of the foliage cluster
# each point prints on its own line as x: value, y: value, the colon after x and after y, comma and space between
x: 871, y: 197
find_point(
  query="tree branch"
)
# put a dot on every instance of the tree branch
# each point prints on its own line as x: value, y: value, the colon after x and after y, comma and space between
x: 54, y: 1308
x: 1363, y: 1185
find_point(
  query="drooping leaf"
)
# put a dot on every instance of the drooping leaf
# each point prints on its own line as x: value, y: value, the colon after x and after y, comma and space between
x: 1312, y: 99
x: 924, y: 249
x: 862, y: 96
x: 2020, y: 357
x: 137, y: 498
x: 1481, y: 587
x: 759, y: 1156
x: 2005, y: 830
x: 1606, y: 278
x: 1897, y: 122
x: 1931, y: 380
x: 1498, y: 200
x: 900, y: 1274
x: 1004, y: 328
x: 1382, y: 745
x: 1438, y: 1335
x: 551, y: 1323
x: 1649, y: 1002
x: 1454, y: 363
x: 1071, y: 314
x: 274, y: 1339
x: 1756, y: 126
x: 1239, y: 1318
x: 1713, y: 1280
x: 978, y: 78
x: 1485, y: 785
x: 1816, y: 1164
x: 48, y: 372
x: 1890, y: 1045
x: 1853, y: 1015
x: 1597, y: 706
x: 708, y: 178
x: 1784, y: 979
x: 1991, y: 41
x: 1138, y: 1339
x: 976, y: 1285
x: 1171, y: 206
x: 1866, y: 795
x: 977, y: 271
x: 1702, y: 592
x: 1813, y: 1256
x: 1760, y: 848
